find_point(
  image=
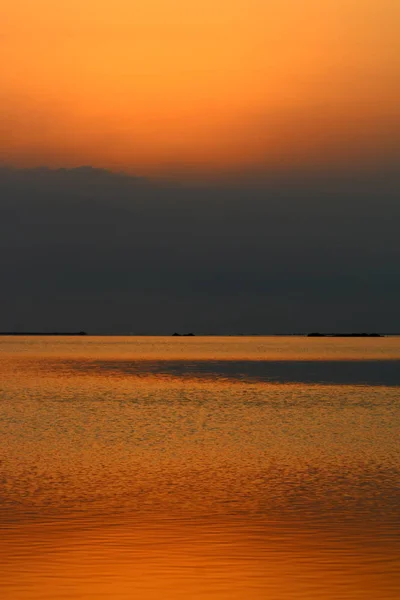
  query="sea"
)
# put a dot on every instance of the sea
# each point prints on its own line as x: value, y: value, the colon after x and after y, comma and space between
x: 223, y: 468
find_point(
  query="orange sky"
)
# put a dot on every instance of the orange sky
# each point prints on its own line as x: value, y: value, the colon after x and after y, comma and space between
x: 207, y: 86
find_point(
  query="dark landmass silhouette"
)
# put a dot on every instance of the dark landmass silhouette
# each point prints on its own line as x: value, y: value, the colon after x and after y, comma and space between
x: 318, y: 334
x: 182, y: 334
x: 43, y: 333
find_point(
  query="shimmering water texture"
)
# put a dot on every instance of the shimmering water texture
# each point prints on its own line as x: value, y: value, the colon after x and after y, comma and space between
x: 223, y: 468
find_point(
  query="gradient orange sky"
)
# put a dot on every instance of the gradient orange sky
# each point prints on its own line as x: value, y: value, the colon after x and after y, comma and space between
x: 207, y: 86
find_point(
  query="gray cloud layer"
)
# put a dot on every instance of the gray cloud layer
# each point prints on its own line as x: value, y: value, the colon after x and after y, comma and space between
x: 88, y: 249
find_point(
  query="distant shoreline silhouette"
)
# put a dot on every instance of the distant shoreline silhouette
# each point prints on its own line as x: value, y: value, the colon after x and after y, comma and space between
x: 318, y: 334
x: 42, y: 333
x: 176, y: 334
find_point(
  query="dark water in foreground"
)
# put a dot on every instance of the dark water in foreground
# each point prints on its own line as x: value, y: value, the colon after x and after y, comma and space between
x: 224, y: 468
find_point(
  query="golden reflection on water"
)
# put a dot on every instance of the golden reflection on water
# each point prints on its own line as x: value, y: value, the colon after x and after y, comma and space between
x: 121, y: 482
x: 229, y: 559
x: 207, y: 347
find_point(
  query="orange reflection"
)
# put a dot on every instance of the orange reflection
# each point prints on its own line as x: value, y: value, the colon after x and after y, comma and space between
x: 232, y: 559
x: 119, y: 484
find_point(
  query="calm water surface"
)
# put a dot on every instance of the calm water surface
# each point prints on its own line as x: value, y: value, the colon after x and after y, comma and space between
x: 224, y: 468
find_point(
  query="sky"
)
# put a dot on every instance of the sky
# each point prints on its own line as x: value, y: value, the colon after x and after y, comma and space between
x: 216, y: 167
x: 205, y: 88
